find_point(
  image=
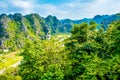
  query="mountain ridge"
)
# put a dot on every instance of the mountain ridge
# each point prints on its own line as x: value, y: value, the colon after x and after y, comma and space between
x: 16, y: 29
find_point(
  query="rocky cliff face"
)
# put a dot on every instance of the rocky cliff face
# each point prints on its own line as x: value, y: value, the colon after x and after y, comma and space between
x: 4, y: 20
x: 16, y: 30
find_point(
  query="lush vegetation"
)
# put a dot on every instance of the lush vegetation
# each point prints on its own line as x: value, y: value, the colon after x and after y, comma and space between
x: 6, y: 60
x: 94, y: 54
x: 11, y: 74
x: 87, y: 54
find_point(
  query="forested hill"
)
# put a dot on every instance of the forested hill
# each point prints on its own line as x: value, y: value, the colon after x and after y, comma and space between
x: 16, y: 29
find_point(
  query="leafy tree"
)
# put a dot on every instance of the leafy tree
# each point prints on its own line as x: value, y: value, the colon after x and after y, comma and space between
x: 93, y: 53
x: 42, y: 60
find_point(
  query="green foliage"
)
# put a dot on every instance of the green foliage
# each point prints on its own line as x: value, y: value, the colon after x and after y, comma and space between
x: 88, y: 54
x: 113, y: 34
x: 42, y: 61
x: 10, y: 74
x: 94, y: 54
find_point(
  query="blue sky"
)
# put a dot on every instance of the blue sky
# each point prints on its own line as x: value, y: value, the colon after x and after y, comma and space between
x: 73, y: 9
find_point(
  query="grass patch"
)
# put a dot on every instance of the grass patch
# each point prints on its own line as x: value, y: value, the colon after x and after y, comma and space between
x: 7, y: 61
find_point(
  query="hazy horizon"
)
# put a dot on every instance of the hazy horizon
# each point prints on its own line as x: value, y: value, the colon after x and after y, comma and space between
x: 62, y: 9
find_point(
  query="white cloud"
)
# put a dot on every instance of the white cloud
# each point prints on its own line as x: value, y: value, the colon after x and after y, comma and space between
x: 96, y: 7
x: 75, y: 10
x: 101, y: 1
x: 25, y: 6
x: 104, y: 7
x: 48, y: 9
x: 22, y: 4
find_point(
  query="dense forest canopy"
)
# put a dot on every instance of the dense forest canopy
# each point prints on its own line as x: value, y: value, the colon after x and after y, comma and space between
x: 88, y: 54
